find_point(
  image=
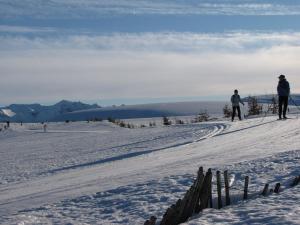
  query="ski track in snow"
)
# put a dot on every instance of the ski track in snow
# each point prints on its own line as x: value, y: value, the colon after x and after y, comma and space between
x: 146, y: 174
x: 80, y: 149
x: 56, y: 186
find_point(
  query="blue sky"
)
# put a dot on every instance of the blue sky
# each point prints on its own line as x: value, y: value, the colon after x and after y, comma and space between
x: 121, y: 51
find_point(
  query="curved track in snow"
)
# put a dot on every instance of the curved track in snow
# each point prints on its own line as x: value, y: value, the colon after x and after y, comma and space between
x: 73, y: 180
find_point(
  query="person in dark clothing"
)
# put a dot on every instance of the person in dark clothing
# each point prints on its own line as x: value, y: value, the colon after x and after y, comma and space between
x: 283, y: 91
x: 235, y: 101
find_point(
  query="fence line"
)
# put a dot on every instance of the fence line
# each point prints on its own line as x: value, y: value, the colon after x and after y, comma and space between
x: 199, y: 197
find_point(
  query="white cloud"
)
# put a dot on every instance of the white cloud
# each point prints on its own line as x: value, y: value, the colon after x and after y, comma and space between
x: 22, y: 29
x: 95, y: 8
x: 237, y: 42
x: 150, y: 65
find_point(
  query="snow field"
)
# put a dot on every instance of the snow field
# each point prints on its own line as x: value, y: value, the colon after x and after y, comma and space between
x: 27, y: 151
x: 141, y: 172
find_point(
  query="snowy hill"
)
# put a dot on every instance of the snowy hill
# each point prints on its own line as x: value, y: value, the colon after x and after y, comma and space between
x: 146, y: 111
x: 97, y: 173
x: 39, y: 113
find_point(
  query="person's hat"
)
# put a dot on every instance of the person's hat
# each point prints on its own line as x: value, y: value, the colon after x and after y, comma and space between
x: 281, y: 76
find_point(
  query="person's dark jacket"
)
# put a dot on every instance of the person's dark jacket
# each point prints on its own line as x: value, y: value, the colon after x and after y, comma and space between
x: 283, y: 88
x: 236, y: 100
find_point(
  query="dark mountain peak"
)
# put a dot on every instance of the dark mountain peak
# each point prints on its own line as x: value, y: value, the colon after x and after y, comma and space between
x: 63, y: 102
x: 75, y: 103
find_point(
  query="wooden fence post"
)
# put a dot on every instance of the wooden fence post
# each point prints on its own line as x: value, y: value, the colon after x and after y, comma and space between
x: 277, y: 188
x: 179, y: 205
x: 226, y: 187
x: 246, y: 187
x: 165, y: 219
x: 191, y: 199
x: 187, y: 212
x: 265, y: 191
x: 296, y: 181
x: 182, y: 207
x: 199, y: 184
x: 219, y: 189
x: 171, y: 217
x: 210, y: 194
x: 204, y: 193
x: 152, y: 221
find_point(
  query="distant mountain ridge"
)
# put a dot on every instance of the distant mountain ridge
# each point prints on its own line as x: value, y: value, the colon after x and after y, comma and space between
x: 40, y: 113
x: 293, y: 100
x: 78, y: 111
x: 214, y: 108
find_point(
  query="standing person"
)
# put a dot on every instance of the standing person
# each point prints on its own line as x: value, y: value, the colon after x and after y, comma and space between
x: 283, y: 91
x: 235, y: 101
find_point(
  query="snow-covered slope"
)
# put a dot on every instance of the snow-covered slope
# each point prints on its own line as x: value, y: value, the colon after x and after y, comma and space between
x: 96, y: 173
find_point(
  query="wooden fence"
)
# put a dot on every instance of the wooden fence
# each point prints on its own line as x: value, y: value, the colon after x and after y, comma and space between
x: 199, y: 197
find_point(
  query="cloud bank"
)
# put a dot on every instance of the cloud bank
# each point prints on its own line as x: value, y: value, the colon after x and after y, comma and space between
x: 96, y: 9
x: 237, y: 42
x: 145, y: 65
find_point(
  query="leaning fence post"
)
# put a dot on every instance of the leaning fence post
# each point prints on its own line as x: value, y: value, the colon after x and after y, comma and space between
x: 204, y: 193
x: 182, y: 207
x: 210, y: 194
x: 226, y: 187
x: 152, y: 220
x: 185, y: 212
x: 178, y: 207
x: 199, y: 184
x: 296, y: 181
x: 188, y: 212
x: 209, y: 189
x: 265, y: 191
x: 277, y: 188
x: 246, y: 187
x: 219, y: 188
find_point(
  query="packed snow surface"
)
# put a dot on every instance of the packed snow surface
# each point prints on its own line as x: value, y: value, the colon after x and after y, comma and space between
x: 98, y: 173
